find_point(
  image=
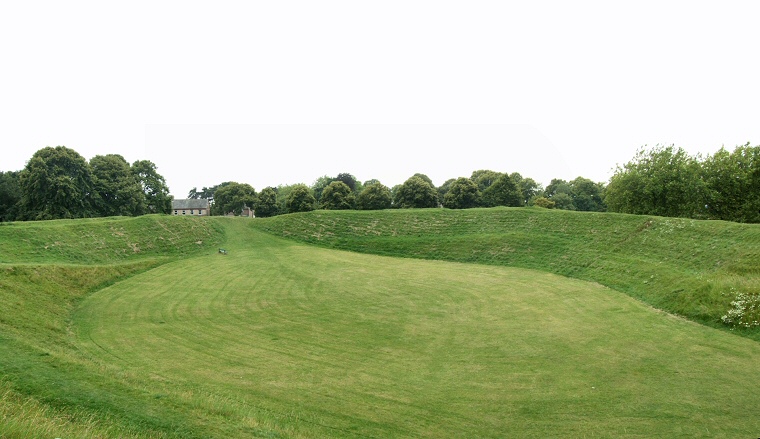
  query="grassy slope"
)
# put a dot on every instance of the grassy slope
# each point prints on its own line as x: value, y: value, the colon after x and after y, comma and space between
x: 105, y: 240
x: 664, y: 376
x: 682, y: 266
x: 47, y: 267
x: 279, y: 339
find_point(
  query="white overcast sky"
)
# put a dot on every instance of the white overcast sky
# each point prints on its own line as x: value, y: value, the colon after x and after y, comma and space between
x: 282, y: 92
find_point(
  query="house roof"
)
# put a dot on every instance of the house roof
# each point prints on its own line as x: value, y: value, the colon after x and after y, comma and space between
x: 191, y: 203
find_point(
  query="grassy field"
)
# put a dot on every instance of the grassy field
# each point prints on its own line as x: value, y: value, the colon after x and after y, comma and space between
x: 690, y: 268
x: 281, y: 339
x: 47, y: 388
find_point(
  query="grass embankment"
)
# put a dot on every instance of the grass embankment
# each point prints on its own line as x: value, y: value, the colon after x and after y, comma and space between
x: 48, y: 389
x: 105, y: 240
x: 279, y: 339
x: 687, y: 267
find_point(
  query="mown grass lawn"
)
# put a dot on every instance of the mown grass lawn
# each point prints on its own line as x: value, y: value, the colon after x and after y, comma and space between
x: 690, y: 268
x: 137, y: 327
x: 278, y: 339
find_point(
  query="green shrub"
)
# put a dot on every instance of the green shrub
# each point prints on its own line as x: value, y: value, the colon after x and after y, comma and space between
x: 543, y: 202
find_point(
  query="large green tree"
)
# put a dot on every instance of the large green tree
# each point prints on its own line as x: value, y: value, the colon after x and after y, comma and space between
x: 485, y: 178
x: 337, y: 196
x: 233, y: 198
x: 560, y: 192
x: 283, y: 191
x: 266, y: 203
x: 117, y: 188
x: 319, y: 185
x: 206, y: 193
x: 300, y: 199
x: 579, y: 194
x: 395, y: 190
x: 424, y: 177
x: 556, y: 186
x: 375, y: 196
x: 462, y: 194
x: 502, y: 192
x: 444, y: 188
x: 733, y: 180
x: 416, y: 192
x: 155, y: 190
x: 56, y: 183
x: 349, y: 180
x: 663, y: 181
x: 10, y: 196
x: 529, y: 188
x: 563, y: 200
x: 587, y: 195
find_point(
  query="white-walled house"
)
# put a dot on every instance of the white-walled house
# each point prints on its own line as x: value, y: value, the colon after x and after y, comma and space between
x: 194, y: 207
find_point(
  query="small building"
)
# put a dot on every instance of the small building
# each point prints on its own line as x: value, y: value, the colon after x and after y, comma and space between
x: 191, y: 206
x: 246, y: 212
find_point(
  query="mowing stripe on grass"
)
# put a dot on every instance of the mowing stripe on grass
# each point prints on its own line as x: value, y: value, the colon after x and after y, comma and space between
x: 283, y: 339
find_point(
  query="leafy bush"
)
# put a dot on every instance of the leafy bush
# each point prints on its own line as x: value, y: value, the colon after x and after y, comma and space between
x: 543, y: 202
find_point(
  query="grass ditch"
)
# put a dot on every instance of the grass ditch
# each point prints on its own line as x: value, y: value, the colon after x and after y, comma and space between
x: 49, y: 388
x: 686, y: 267
x: 278, y: 339
x: 289, y: 340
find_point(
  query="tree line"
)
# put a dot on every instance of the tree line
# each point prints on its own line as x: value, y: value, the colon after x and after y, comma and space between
x: 664, y: 181
x: 667, y: 181
x: 59, y: 183
x: 484, y: 188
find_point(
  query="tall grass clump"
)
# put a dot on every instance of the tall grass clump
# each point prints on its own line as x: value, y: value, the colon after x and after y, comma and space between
x: 23, y: 417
